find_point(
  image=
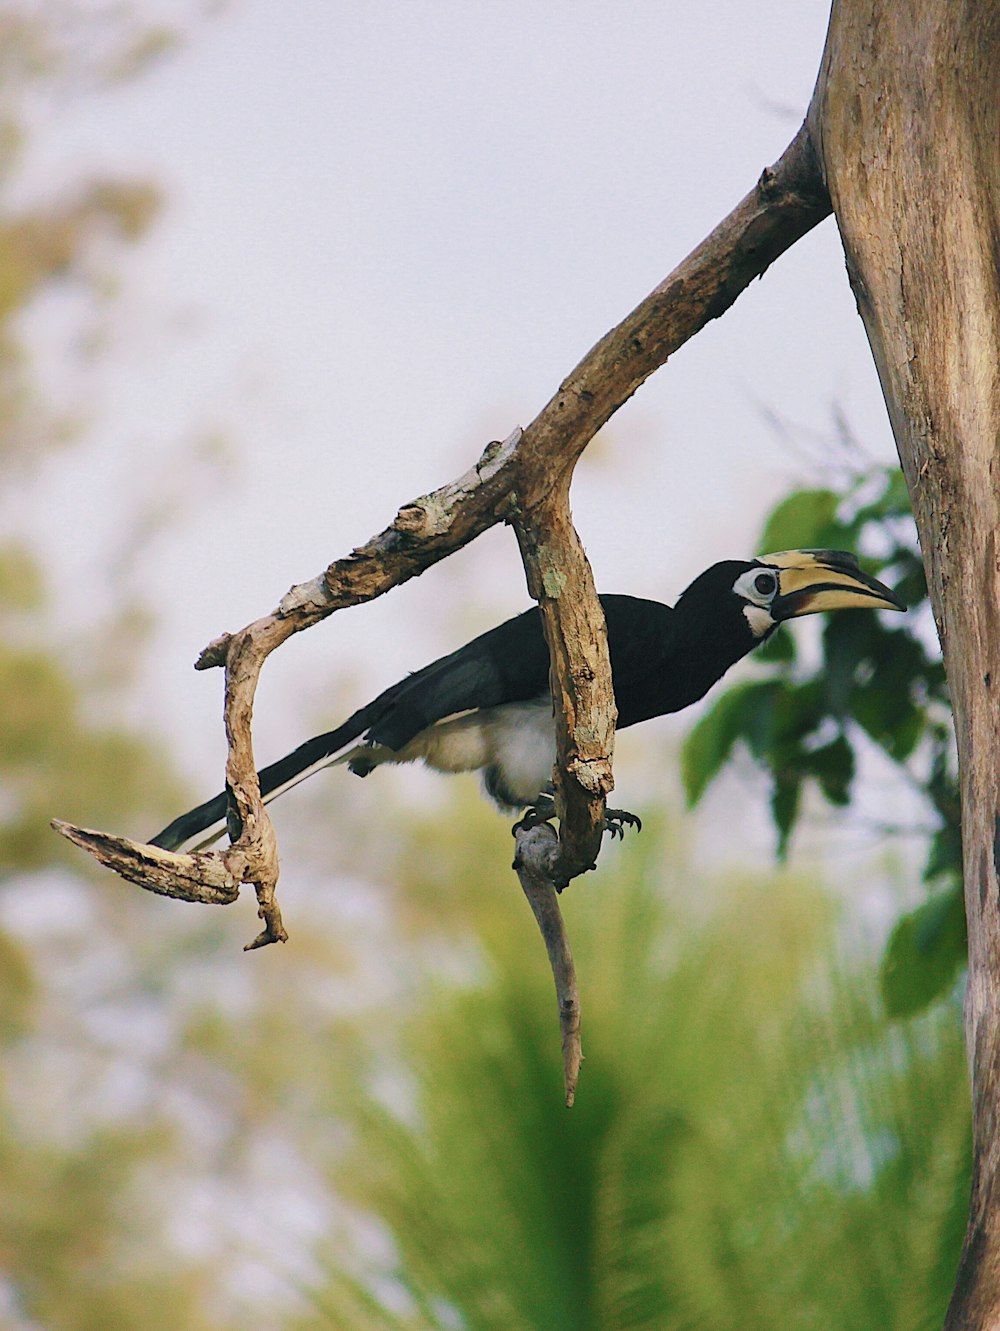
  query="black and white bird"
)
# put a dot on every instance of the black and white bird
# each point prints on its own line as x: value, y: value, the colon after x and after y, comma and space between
x: 487, y: 707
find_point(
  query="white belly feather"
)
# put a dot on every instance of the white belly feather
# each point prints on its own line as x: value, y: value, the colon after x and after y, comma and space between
x: 523, y: 740
x: 517, y: 739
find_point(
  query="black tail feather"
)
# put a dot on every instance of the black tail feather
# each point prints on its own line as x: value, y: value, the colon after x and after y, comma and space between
x: 272, y: 780
x: 191, y: 823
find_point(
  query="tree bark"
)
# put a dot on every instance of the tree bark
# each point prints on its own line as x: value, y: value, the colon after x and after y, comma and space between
x: 906, y: 122
x: 536, y: 862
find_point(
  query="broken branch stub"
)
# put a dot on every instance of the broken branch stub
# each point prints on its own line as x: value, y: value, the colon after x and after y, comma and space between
x: 536, y: 862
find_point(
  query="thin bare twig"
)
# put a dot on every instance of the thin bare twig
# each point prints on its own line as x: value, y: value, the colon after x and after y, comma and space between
x: 536, y: 862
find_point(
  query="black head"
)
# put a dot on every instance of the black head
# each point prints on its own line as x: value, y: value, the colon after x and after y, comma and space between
x: 737, y: 604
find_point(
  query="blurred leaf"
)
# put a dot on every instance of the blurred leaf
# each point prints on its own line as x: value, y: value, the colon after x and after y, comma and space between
x: 149, y: 45
x: 21, y: 581
x: 778, y: 648
x: 945, y: 855
x: 805, y: 520
x: 795, y: 713
x: 18, y: 989
x: 741, y: 713
x: 890, y: 719
x: 911, y: 581
x: 785, y: 807
x: 892, y: 501
x: 847, y: 641
x: 896, y: 499
x: 833, y: 767
x: 924, y: 954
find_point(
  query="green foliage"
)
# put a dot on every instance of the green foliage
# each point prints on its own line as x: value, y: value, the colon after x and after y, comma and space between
x: 873, y: 682
x: 806, y: 520
x: 744, y: 712
x: 752, y: 1145
x: 920, y: 961
x: 21, y: 582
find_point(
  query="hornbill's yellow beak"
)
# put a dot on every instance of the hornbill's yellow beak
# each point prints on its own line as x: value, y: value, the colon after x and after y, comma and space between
x: 814, y: 580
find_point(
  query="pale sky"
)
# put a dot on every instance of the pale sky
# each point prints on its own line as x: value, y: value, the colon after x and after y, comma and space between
x: 390, y: 230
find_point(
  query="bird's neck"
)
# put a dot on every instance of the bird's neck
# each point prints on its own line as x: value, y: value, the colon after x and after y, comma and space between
x: 711, y: 645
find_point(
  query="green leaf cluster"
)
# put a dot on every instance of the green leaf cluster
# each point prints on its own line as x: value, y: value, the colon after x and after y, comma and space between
x: 876, y: 681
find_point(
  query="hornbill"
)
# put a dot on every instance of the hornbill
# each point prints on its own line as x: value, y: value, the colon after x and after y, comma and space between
x: 488, y: 707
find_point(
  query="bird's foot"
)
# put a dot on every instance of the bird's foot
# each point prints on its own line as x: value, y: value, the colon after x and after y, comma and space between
x: 616, y: 821
x: 541, y: 811
x: 544, y: 808
x: 362, y: 759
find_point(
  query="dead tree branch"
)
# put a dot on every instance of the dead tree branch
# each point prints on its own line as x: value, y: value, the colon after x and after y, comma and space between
x: 524, y: 481
x: 203, y: 878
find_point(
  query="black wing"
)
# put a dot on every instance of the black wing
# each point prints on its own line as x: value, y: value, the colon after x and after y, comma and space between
x: 507, y: 664
x: 511, y: 664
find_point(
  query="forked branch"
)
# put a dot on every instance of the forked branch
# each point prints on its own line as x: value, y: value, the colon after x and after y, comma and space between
x: 524, y: 481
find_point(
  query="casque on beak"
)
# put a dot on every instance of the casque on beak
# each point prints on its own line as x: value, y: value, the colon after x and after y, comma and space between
x: 813, y: 580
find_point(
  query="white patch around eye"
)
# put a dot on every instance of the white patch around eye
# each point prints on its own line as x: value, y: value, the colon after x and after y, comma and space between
x: 745, y: 586
x: 759, y: 619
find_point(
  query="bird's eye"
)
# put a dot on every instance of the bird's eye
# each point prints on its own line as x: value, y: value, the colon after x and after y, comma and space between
x: 758, y: 586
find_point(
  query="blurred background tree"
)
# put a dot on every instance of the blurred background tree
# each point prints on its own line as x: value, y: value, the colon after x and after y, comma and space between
x: 76, y: 1226
x: 755, y: 1144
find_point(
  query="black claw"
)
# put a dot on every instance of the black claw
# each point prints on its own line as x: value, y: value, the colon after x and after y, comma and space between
x: 616, y: 820
x: 533, y: 816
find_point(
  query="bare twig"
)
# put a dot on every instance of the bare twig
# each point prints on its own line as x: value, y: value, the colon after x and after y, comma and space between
x: 536, y: 861
x: 561, y: 580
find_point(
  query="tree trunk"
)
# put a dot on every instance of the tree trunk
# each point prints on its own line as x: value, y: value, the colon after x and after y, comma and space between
x: 906, y: 123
